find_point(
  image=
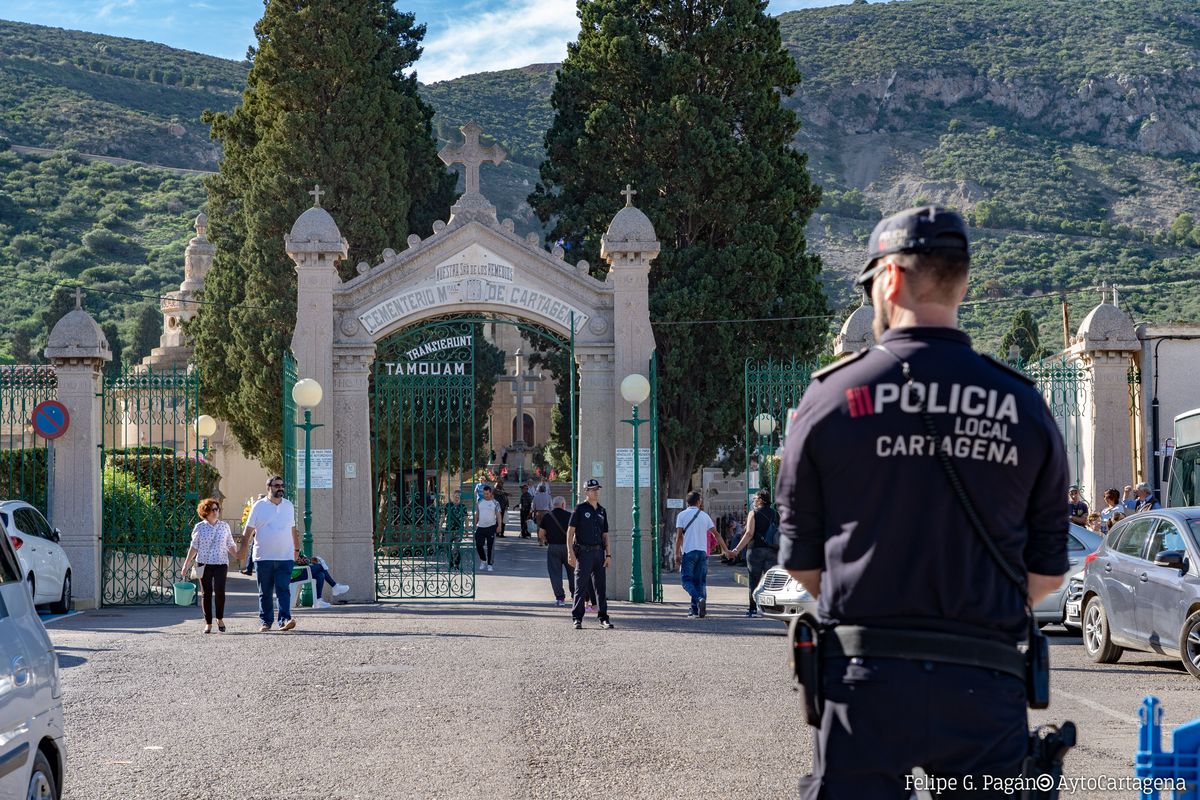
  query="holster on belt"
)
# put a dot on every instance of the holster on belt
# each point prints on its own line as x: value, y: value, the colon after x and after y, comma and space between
x: 853, y: 641
x: 806, y: 666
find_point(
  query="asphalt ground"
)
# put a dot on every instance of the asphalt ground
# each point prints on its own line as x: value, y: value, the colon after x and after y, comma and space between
x: 497, y: 697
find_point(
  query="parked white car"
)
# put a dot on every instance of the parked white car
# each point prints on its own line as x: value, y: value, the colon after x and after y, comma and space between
x: 33, y: 756
x: 779, y: 596
x: 44, y: 564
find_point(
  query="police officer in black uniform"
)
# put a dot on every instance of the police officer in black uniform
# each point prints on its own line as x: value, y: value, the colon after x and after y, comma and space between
x: 588, y: 553
x: 920, y: 623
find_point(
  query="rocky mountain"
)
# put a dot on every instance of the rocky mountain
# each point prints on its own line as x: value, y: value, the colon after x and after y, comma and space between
x: 1067, y: 132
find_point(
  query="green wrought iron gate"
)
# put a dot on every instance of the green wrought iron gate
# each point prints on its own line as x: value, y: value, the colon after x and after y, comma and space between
x: 429, y: 448
x: 25, y: 469
x: 772, y: 389
x: 154, y: 474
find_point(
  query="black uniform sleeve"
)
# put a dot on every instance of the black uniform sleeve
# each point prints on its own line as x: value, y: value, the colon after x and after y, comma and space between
x: 1046, y: 547
x: 798, y: 496
x: 573, y: 523
x: 604, y: 521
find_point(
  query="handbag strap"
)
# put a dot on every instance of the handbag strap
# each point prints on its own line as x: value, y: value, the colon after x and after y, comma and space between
x: 695, y: 517
x: 960, y: 491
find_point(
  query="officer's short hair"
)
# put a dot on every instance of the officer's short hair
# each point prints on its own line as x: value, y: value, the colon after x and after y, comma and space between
x: 693, y: 498
x: 938, y: 274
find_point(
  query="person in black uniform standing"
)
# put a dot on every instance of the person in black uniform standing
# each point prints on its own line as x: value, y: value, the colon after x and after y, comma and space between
x: 920, y: 625
x: 589, y: 554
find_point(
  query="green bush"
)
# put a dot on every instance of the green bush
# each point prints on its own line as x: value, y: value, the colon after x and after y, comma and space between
x: 178, y: 483
x: 132, y: 519
x: 23, y: 476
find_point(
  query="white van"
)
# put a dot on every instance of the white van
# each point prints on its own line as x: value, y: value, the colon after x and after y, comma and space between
x: 32, y: 750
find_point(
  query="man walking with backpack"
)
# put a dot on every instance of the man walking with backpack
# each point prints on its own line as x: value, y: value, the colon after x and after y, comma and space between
x: 692, y: 528
x: 762, y: 537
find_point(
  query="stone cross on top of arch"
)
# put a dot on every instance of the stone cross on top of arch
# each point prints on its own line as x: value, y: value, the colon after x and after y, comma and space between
x: 471, y: 154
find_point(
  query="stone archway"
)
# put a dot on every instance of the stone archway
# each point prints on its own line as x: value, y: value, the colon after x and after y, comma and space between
x: 472, y: 264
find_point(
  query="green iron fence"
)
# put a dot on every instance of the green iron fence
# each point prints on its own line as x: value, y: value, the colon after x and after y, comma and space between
x: 154, y: 474
x: 1064, y: 384
x: 24, y: 458
x: 772, y: 388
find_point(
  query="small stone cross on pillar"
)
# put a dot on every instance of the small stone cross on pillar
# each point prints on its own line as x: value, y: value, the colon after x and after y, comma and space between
x: 316, y: 193
x: 78, y: 298
x: 471, y: 155
x: 629, y: 193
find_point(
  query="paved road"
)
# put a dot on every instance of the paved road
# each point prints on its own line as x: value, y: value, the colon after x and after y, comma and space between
x: 494, y: 698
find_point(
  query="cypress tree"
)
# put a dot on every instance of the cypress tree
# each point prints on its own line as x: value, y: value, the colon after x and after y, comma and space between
x: 147, y: 333
x: 327, y: 101
x: 682, y: 99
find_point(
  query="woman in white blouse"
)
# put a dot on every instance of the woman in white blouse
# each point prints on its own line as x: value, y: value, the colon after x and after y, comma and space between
x: 212, y: 547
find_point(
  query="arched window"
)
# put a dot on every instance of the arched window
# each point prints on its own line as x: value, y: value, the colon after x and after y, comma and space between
x: 527, y: 438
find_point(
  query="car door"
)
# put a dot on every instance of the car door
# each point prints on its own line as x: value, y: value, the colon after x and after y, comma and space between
x: 34, y: 551
x: 18, y: 691
x: 1165, y: 592
x: 1119, y: 567
x: 54, y: 556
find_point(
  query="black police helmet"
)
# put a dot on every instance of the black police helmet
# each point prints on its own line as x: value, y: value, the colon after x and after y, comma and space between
x: 915, y: 230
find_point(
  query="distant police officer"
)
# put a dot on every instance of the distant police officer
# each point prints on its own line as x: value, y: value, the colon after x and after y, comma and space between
x: 920, y: 622
x: 588, y: 553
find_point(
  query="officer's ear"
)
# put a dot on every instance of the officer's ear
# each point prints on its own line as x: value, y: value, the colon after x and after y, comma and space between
x: 892, y: 276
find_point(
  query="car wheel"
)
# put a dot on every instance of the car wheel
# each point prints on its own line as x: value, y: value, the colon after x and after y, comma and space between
x: 41, y: 782
x: 1189, y: 644
x: 63, y: 606
x: 1096, y: 639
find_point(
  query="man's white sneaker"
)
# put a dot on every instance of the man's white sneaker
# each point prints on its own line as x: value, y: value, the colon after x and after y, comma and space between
x: 490, y: 568
x: 340, y: 589
x: 321, y: 603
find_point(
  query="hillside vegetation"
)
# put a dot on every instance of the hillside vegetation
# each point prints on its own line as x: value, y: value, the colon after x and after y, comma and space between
x: 1069, y: 133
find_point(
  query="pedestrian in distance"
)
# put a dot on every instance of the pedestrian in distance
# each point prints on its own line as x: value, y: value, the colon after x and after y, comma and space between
x: 588, y: 553
x: 923, y: 591
x: 552, y: 532
x: 501, y: 497
x: 526, y: 508
x: 761, y: 539
x: 693, y: 528
x: 212, y: 547
x: 271, y: 527
x: 456, y: 523
x: 541, y: 502
x: 1114, y: 510
x: 487, y: 516
x: 1139, y: 499
x: 1077, y: 509
x: 247, y: 565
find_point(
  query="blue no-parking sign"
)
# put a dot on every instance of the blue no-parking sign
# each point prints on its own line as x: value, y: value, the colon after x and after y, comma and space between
x: 50, y: 419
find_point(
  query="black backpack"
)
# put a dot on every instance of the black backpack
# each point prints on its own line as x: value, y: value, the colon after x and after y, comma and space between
x: 769, y: 537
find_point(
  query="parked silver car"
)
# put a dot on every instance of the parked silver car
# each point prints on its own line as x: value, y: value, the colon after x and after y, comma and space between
x: 32, y: 749
x: 1141, y: 589
x: 1080, y: 543
x: 780, y: 597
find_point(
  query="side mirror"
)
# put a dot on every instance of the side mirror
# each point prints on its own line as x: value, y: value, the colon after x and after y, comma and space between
x: 56, y: 535
x: 1174, y: 559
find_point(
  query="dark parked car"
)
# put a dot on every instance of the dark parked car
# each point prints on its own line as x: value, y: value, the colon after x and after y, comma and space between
x: 1141, y: 589
x: 1053, y: 608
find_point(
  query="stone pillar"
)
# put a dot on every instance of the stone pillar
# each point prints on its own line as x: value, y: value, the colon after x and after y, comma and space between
x: 353, y: 518
x: 596, y: 449
x: 1104, y: 347
x: 629, y: 245
x: 78, y: 351
x: 316, y: 245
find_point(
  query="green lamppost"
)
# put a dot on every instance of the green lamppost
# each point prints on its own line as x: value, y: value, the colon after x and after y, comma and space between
x: 635, y: 389
x: 307, y: 394
x: 764, y: 426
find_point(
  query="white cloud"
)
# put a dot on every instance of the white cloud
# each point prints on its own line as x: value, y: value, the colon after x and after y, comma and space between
x: 526, y: 32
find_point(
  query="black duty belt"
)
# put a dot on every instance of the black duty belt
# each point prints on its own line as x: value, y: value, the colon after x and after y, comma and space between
x: 852, y: 641
x: 579, y: 546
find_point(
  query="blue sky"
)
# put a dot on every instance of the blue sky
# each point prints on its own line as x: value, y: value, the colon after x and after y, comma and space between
x: 464, y: 36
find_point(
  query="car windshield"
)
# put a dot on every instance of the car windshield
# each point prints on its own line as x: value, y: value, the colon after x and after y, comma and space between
x: 1194, y: 524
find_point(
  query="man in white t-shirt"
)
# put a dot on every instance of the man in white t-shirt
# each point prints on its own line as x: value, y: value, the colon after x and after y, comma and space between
x: 272, y: 527
x: 487, y: 518
x: 692, y: 529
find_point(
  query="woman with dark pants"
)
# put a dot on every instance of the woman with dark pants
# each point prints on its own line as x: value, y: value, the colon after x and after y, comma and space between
x: 212, y: 547
x: 761, y: 556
